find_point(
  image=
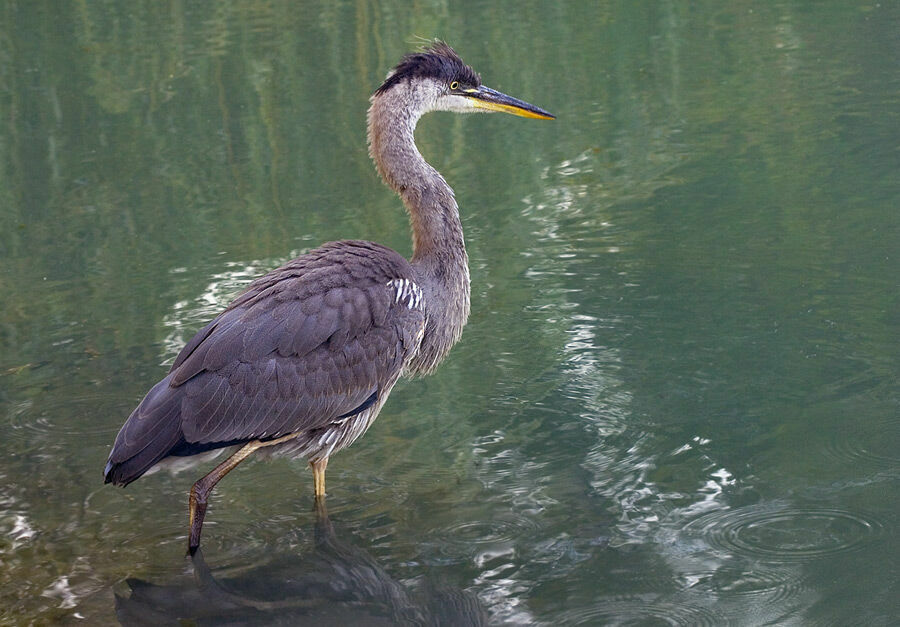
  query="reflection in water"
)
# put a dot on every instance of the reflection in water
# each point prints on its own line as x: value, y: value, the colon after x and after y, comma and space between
x: 336, y: 583
x: 724, y: 551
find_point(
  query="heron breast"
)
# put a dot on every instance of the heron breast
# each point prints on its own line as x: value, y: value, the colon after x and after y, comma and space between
x: 407, y: 293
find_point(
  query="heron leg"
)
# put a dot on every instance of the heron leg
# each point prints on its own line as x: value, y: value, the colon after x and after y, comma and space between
x: 318, y: 468
x: 200, y: 490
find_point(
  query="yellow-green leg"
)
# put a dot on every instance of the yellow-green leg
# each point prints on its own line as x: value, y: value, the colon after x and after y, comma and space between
x: 200, y: 490
x: 318, y: 468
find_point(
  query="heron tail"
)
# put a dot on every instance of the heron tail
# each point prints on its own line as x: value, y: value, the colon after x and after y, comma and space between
x: 151, y: 432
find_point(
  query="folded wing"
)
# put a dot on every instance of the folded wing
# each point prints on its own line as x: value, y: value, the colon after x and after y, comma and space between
x: 308, y: 344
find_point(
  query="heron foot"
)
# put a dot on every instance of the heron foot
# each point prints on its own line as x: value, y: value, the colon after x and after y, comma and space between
x: 198, y: 503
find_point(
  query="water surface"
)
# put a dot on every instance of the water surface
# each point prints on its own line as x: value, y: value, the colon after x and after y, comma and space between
x: 676, y: 401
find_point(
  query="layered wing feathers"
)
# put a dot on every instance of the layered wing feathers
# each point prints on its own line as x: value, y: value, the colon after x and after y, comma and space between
x: 303, y: 346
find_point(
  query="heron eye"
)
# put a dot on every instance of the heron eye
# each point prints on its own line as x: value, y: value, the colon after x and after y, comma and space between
x: 454, y: 85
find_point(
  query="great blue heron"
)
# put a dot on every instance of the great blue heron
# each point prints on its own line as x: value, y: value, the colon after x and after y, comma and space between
x: 304, y: 359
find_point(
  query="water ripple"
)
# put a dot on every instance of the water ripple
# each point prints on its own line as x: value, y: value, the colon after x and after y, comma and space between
x: 880, y: 451
x: 640, y: 610
x: 759, y: 584
x: 785, y: 533
x: 59, y: 415
x: 488, y: 539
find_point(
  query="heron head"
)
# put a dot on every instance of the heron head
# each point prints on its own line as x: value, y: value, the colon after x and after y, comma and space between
x: 437, y: 79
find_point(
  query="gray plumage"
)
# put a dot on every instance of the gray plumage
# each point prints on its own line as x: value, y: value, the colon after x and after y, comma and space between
x: 303, y: 360
x: 298, y: 352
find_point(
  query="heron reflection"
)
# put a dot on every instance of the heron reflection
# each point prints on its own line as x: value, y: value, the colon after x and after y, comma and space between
x: 335, y: 582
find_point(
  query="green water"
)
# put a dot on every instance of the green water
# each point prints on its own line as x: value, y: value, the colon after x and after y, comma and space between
x: 677, y: 398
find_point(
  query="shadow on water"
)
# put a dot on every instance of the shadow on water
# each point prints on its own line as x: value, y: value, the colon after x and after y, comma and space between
x: 333, y: 583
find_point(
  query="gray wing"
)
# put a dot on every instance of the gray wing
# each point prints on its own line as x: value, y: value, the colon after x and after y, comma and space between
x: 309, y: 343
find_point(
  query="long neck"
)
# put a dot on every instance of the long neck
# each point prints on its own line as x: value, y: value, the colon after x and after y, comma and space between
x: 432, y: 208
x: 439, y: 250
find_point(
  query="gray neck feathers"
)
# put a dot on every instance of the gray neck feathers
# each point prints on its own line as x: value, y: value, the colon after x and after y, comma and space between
x: 439, y: 251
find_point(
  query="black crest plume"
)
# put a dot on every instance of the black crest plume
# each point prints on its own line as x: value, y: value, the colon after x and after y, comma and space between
x: 438, y: 61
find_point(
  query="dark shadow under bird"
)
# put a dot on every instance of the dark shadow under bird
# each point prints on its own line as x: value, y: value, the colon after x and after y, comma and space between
x: 332, y: 583
x: 304, y: 359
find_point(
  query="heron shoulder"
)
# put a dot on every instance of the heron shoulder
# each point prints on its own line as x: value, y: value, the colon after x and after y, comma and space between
x: 340, y: 264
x: 321, y: 300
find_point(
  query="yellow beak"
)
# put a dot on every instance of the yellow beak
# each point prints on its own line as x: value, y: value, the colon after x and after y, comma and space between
x: 491, y: 100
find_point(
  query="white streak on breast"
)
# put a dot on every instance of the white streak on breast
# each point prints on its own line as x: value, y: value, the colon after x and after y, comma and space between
x: 408, y: 293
